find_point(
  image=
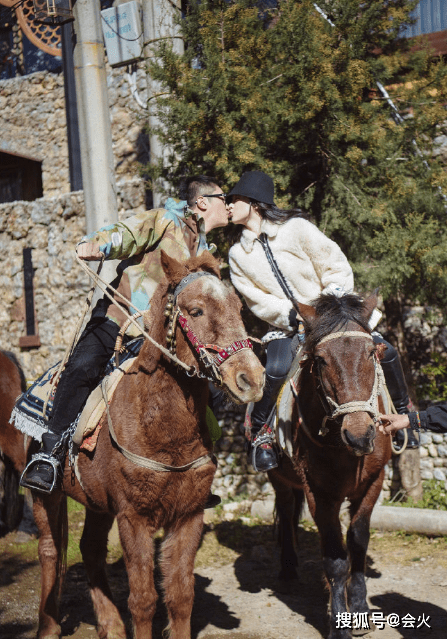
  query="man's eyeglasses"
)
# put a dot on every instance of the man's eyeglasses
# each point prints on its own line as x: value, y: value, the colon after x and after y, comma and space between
x: 222, y: 195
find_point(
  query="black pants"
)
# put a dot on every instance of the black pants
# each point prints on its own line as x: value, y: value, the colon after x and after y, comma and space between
x: 279, y: 360
x: 82, y: 372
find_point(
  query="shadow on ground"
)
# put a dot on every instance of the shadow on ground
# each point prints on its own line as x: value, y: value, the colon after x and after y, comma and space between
x: 77, y: 605
x: 258, y: 566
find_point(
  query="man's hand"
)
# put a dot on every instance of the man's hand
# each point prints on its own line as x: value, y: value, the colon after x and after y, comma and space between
x: 89, y: 251
x: 389, y: 424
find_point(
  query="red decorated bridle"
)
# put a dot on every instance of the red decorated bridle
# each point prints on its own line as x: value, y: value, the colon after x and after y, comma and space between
x: 211, y: 356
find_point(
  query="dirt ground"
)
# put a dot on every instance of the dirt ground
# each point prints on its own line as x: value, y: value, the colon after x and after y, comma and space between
x: 238, y: 595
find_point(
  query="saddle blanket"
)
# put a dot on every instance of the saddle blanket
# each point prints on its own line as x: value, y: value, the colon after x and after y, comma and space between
x: 27, y: 414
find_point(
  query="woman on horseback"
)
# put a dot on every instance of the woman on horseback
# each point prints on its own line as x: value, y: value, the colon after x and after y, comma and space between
x: 281, y: 244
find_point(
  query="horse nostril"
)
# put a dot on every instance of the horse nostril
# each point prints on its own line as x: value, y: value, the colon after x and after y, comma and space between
x: 242, y: 381
x: 351, y: 439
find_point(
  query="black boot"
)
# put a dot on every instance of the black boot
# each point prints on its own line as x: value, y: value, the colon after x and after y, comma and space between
x: 42, y: 471
x: 398, y: 390
x: 212, y: 501
x: 262, y: 453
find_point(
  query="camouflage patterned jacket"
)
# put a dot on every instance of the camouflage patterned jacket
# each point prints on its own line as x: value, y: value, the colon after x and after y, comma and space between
x: 138, y: 242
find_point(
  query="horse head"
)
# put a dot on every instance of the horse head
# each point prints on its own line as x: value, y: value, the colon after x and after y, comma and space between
x: 206, y: 328
x: 344, y: 364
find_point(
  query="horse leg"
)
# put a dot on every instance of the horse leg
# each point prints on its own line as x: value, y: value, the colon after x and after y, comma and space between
x: 3, y: 526
x: 288, y: 504
x: 50, y: 514
x: 94, y: 553
x: 27, y: 525
x: 138, y: 548
x: 357, y: 541
x: 335, y: 561
x: 177, y: 564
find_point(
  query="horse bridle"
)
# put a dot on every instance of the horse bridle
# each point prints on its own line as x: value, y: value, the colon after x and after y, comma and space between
x: 209, y: 361
x: 334, y: 410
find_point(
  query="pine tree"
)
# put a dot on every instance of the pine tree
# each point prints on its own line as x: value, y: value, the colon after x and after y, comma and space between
x: 277, y: 88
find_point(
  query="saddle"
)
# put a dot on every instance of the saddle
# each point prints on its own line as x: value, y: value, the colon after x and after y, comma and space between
x: 27, y: 414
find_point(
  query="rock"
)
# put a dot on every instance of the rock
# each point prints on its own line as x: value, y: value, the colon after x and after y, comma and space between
x: 263, y: 509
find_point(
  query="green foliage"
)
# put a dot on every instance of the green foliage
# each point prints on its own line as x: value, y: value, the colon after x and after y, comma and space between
x: 434, y: 386
x: 434, y: 497
x: 279, y: 89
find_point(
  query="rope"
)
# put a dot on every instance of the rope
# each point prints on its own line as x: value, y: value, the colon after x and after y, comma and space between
x: 145, y: 462
x: 328, y: 338
x: 104, y: 286
x: 74, y: 339
x: 396, y: 451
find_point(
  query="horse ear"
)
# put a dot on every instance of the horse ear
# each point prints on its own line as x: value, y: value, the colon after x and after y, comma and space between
x: 173, y: 269
x: 370, y: 304
x: 205, y: 262
x: 306, y: 312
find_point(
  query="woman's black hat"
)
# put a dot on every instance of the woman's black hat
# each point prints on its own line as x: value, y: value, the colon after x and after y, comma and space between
x: 255, y: 185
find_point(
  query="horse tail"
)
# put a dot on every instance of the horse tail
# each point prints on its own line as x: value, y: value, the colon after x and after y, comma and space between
x: 289, y: 504
x: 62, y: 533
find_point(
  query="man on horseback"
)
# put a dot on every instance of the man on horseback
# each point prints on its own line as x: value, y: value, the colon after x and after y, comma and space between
x: 180, y: 230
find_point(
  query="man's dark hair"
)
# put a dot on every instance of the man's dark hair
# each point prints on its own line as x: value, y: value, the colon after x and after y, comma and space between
x: 193, y: 186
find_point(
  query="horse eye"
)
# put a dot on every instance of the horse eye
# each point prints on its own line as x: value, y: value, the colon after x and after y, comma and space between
x: 196, y: 312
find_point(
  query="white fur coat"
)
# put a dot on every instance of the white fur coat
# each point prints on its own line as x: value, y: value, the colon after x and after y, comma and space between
x: 310, y: 262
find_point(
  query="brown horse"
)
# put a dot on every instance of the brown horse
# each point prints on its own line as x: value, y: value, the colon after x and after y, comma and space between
x: 12, y: 446
x: 337, y: 454
x: 157, y: 412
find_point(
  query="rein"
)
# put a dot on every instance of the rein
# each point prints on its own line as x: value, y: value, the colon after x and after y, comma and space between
x: 209, y: 361
x: 202, y: 349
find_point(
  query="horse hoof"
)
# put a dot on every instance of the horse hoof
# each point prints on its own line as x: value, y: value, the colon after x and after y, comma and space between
x: 22, y: 537
x: 118, y: 632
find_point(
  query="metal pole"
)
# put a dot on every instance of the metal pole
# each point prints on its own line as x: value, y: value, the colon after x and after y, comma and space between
x: 158, y: 22
x: 71, y: 110
x: 95, y: 131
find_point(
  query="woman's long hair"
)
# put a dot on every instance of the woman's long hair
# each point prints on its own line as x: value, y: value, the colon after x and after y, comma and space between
x: 274, y: 214
x: 268, y: 212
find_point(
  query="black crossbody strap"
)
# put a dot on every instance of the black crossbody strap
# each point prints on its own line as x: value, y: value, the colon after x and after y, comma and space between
x: 276, y: 270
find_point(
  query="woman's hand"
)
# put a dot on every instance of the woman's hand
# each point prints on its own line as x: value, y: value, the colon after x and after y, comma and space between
x: 389, y: 424
x: 89, y: 251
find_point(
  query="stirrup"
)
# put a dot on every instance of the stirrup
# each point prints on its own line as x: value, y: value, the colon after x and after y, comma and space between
x: 259, y: 440
x: 48, y: 459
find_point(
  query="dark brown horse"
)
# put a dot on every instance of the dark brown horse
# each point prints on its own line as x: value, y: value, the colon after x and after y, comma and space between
x: 157, y: 412
x: 12, y: 446
x: 338, y: 453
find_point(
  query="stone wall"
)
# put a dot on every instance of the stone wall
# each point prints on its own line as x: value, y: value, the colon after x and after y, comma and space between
x: 33, y: 124
x: 51, y: 227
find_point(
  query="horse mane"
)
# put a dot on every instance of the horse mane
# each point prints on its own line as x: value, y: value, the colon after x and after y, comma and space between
x: 332, y: 314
